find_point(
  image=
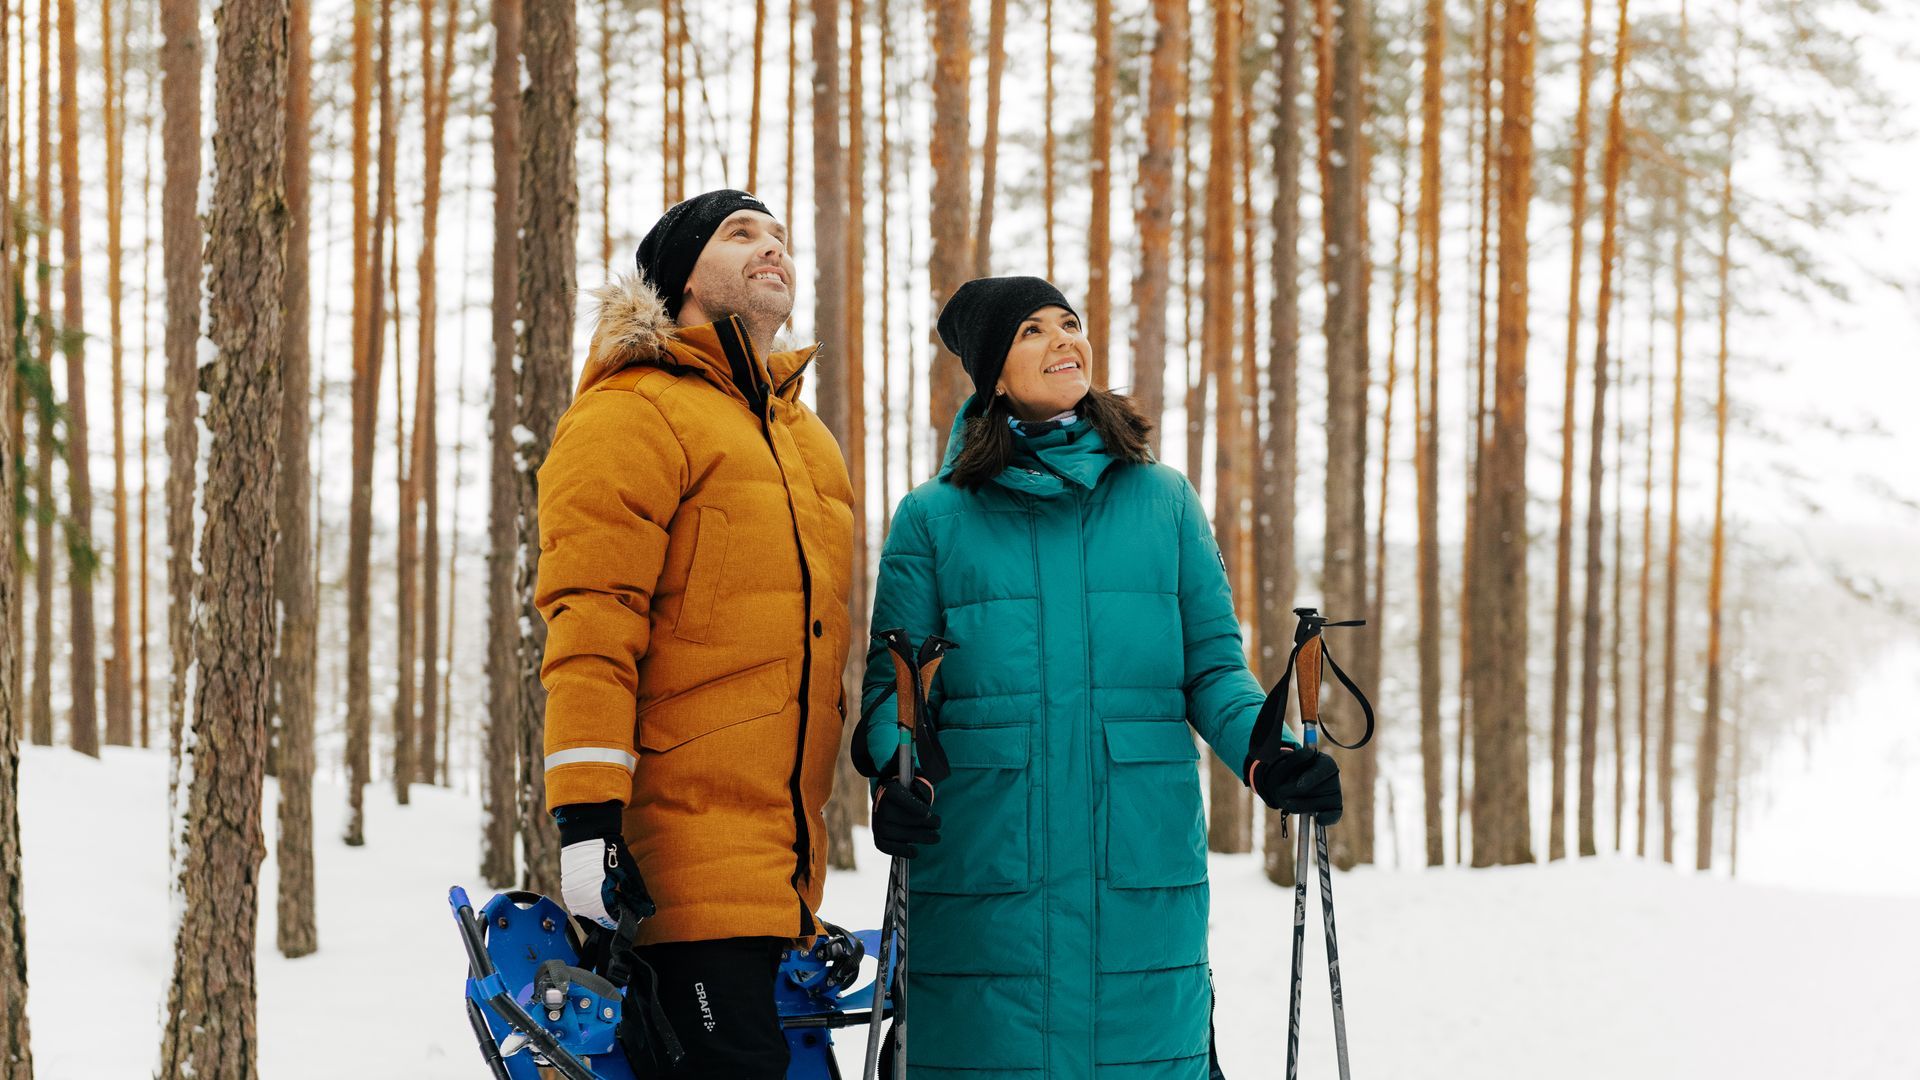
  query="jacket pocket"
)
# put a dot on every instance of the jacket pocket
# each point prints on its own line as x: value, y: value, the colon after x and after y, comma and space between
x: 983, y: 816
x: 1156, y: 836
x: 704, y: 576
x: 724, y: 702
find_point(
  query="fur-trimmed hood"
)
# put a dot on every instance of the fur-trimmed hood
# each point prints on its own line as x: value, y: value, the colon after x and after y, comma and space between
x: 631, y: 326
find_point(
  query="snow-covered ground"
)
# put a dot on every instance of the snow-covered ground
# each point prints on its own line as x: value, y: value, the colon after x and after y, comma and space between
x: 1601, y: 968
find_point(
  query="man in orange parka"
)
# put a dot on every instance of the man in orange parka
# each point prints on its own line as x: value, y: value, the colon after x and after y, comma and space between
x: 696, y: 531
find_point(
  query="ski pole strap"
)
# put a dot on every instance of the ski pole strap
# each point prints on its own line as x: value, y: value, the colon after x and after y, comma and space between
x: 1269, y: 728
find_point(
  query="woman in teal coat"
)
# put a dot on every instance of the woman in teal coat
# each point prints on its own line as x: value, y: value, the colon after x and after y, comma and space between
x: 1059, y: 883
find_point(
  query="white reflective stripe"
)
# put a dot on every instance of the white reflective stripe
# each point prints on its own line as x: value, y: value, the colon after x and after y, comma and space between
x: 592, y: 754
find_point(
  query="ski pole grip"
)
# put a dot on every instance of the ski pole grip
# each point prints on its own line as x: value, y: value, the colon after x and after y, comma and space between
x: 1309, y: 664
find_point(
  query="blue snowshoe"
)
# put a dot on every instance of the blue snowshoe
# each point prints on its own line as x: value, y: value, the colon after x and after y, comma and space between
x: 543, y: 991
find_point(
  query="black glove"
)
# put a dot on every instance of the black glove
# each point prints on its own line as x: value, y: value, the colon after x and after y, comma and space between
x: 1299, y: 781
x: 598, y: 878
x: 902, y: 820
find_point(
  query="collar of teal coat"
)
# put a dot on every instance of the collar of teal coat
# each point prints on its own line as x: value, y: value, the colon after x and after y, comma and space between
x: 1045, y: 466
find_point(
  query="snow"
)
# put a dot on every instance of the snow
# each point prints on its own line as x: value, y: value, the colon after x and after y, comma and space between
x: 1600, y: 968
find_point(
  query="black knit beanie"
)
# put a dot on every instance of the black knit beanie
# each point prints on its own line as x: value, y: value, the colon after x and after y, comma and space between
x: 673, y: 245
x: 979, y: 321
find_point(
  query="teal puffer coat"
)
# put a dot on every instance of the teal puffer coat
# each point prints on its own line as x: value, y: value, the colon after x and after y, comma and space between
x: 1059, y: 927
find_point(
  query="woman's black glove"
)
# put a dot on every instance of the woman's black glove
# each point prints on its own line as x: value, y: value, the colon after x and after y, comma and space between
x: 902, y: 819
x: 1299, y: 781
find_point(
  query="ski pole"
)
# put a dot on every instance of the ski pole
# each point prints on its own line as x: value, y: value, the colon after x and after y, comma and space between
x: 913, y: 674
x: 1309, y: 652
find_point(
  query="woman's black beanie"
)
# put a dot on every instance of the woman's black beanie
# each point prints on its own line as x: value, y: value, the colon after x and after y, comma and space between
x: 674, y: 244
x: 979, y: 321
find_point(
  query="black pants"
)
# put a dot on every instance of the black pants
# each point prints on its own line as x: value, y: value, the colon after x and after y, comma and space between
x: 718, y: 995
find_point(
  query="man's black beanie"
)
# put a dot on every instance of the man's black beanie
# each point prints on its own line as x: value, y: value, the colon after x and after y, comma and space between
x: 673, y: 245
x: 979, y: 321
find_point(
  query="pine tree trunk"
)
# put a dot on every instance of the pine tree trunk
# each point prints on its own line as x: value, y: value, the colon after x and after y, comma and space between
x: 848, y: 778
x: 146, y: 380
x: 549, y: 223
x: 1615, y: 167
x: 1501, y: 829
x: 1345, y: 45
x: 1707, y: 759
x: 834, y: 289
x: 990, y: 145
x: 386, y: 247
x: 1230, y: 819
x: 1668, y: 705
x: 210, y: 1029
x: 366, y: 402
x: 16, y: 1059
x: 1370, y: 646
x: 886, y: 280
x: 119, y: 668
x: 500, y: 792
x: 1645, y: 665
x: 84, y: 732
x: 1472, y: 550
x: 293, y: 585
x: 1274, y: 508
x: 1099, y: 228
x: 1427, y: 417
x: 753, y: 115
x: 1619, y: 575
x: 1563, y: 547
x: 951, y: 31
x: 1049, y: 144
x: 180, y: 238
x: 45, y: 554
x: 793, y: 67
x: 1166, y: 89
x: 436, y: 84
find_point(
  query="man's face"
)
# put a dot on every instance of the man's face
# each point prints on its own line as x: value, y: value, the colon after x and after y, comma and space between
x: 744, y: 270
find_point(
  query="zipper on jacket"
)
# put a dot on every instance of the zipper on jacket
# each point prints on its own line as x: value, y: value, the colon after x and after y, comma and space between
x: 733, y: 341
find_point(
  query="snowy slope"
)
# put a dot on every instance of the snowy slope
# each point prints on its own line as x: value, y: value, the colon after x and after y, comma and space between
x: 1602, y: 969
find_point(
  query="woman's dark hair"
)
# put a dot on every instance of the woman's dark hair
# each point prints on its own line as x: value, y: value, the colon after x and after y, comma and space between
x: 990, y: 442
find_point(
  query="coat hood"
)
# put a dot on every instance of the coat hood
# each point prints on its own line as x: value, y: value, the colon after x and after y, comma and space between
x: 631, y: 327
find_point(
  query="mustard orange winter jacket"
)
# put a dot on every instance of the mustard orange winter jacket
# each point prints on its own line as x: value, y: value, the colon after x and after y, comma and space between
x: 696, y: 531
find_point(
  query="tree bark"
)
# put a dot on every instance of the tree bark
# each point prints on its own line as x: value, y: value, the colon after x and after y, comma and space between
x: 1345, y: 46
x: 990, y: 145
x: 366, y: 405
x: 1501, y: 829
x: 293, y: 585
x: 1166, y: 90
x: 1274, y: 509
x: 119, y: 668
x: 84, y: 730
x: 386, y: 283
x: 1615, y: 167
x: 549, y: 222
x: 1099, y: 227
x: 1427, y: 417
x: 1563, y: 546
x: 1230, y: 820
x: 16, y: 1059
x: 210, y: 1029
x: 436, y: 87
x: 500, y: 793
x: 952, y: 35
x: 1472, y: 550
x: 1049, y: 144
x: 180, y: 238
x: 753, y: 116
x: 1707, y: 759
x: 45, y: 554
x: 834, y: 289
x: 1669, y: 636
x: 1645, y: 665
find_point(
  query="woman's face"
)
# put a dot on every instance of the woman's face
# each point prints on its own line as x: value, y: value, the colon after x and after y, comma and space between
x: 1046, y: 372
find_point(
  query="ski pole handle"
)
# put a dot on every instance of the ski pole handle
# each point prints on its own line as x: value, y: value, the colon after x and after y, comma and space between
x: 1309, y: 664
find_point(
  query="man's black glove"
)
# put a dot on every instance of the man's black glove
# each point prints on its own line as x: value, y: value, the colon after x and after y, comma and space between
x: 1300, y: 781
x: 598, y: 879
x: 902, y: 819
